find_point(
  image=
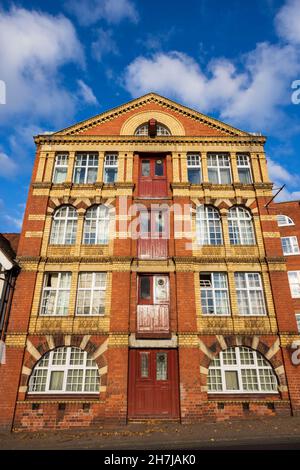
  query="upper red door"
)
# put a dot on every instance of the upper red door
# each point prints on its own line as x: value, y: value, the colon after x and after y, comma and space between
x: 154, y: 234
x: 153, y: 383
x: 152, y: 176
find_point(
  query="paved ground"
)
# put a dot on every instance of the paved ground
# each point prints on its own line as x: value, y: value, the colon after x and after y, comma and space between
x: 267, y: 433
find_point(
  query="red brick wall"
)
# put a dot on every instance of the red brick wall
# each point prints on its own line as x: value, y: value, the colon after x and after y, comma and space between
x: 191, y: 126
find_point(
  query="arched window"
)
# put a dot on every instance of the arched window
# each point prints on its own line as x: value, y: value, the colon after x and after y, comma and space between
x: 64, y: 226
x: 65, y: 370
x: 96, y: 225
x: 284, y: 220
x: 240, y: 226
x: 160, y: 130
x: 208, y: 226
x: 241, y: 370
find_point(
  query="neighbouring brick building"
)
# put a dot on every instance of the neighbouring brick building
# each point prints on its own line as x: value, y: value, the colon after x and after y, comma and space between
x: 149, y: 258
x: 9, y: 271
x: 288, y: 219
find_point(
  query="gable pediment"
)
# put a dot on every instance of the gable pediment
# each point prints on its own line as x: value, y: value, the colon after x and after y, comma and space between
x: 123, y: 120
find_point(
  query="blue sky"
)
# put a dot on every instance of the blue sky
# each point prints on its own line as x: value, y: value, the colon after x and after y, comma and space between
x: 64, y: 61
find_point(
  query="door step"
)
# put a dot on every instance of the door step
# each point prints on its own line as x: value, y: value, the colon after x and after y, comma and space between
x: 153, y: 420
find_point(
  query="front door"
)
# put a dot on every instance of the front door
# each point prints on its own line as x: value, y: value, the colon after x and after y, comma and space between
x: 153, y: 384
x: 152, y: 176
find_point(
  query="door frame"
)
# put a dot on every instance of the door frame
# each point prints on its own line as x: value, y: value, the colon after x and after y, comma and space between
x: 131, y: 390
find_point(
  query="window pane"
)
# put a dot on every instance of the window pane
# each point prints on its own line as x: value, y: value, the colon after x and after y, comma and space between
x: 144, y: 365
x: 249, y: 380
x: 231, y: 379
x: 161, y: 366
x: 60, y: 175
x: 225, y: 176
x: 79, y: 175
x: 110, y: 175
x: 245, y: 175
x: 194, y: 175
x: 213, y: 175
x: 161, y: 289
x: 74, y: 380
x: 145, y: 168
x: 56, y: 380
x: 92, y: 175
x: 159, y: 168
x: 145, y: 287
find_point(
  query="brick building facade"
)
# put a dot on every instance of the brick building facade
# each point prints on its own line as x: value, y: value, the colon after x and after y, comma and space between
x: 149, y: 262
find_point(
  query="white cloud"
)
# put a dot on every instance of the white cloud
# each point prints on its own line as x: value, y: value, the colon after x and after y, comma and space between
x: 15, y: 222
x: 33, y: 48
x: 281, y: 176
x: 8, y: 168
x: 251, y: 97
x: 86, y: 93
x: 104, y: 44
x: 287, y: 21
x: 89, y: 12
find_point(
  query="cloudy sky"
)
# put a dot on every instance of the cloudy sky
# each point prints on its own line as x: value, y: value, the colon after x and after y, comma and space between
x: 66, y: 60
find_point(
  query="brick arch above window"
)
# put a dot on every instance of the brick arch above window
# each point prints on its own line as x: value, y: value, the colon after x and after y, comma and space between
x: 174, y: 125
x: 81, y: 204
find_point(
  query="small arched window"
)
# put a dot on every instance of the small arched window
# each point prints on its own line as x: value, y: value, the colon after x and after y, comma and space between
x: 96, y: 225
x: 284, y: 220
x: 240, y: 225
x: 65, y: 370
x: 64, y: 226
x: 161, y: 130
x: 241, y: 370
x: 208, y: 226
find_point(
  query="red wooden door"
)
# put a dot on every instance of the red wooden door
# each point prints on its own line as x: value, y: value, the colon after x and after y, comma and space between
x: 152, y: 176
x: 153, y: 384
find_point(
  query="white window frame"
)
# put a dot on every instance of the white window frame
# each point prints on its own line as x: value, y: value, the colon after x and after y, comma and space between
x: 238, y: 367
x: 90, y: 292
x: 210, y: 287
x: 240, y: 222
x: 250, y: 289
x: 194, y: 163
x: 284, y: 220
x: 46, y: 364
x: 293, y: 247
x: 92, y: 162
x: 242, y: 162
x: 58, y: 290
x: 222, y: 162
x: 69, y: 223
x: 294, y: 286
x: 99, y: 219
x: 61, y: 163
x: 162, y: 130
x: 208, y: 217
x: 142, y: 130
x: 111, y: 162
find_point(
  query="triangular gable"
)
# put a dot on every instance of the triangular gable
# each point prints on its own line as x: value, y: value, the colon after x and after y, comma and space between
x: 111, y: 122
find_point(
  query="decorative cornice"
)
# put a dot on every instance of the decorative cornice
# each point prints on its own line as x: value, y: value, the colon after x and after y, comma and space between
x: 162, y: 140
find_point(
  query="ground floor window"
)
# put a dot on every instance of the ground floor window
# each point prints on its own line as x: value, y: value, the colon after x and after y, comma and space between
x: 241, y: 370
x: 65, y: 370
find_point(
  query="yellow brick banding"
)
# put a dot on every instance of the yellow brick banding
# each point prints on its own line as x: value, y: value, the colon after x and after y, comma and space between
x: 16, y: 340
